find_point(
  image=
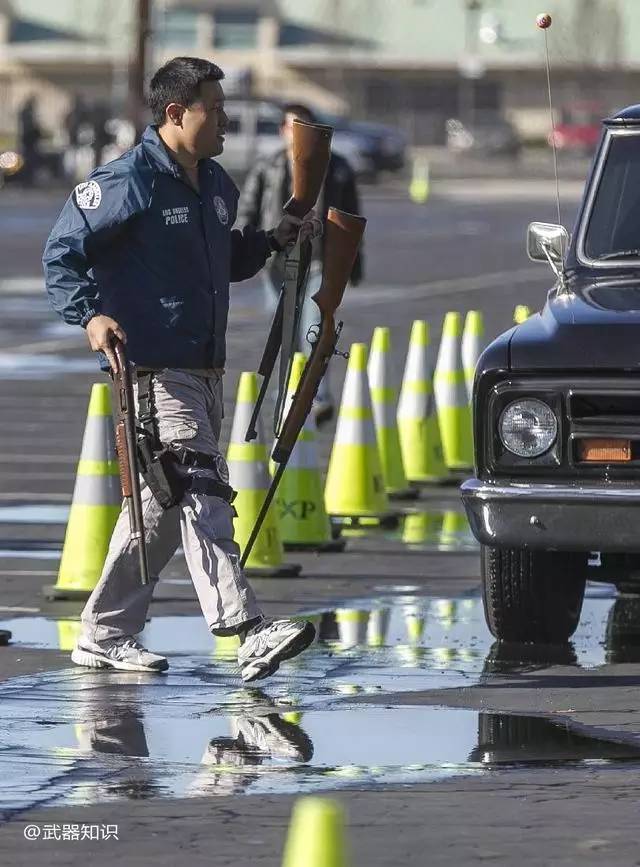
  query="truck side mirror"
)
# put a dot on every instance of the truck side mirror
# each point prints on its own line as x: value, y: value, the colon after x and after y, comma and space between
x: 547, y: 242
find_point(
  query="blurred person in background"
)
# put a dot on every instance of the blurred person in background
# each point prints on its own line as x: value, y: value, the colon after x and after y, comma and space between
x: 266, y: 190
x: 29, y: 138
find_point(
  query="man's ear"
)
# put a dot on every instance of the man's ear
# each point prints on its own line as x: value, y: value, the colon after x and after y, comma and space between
x: 174, y: 113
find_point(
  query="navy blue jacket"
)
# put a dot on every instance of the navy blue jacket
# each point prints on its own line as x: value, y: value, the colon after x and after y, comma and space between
x: 137, y: 243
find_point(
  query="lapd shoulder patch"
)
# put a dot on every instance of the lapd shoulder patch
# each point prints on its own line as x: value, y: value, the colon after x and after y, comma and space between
x: 88, y: 195
x: 221, y: 209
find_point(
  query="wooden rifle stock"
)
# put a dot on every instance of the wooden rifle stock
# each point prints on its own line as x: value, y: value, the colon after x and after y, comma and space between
x: 343, y: 234
x: 311, y: 153
x: 126, y: 445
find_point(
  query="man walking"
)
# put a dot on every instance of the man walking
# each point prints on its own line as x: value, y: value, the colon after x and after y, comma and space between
x: 144, y: 252
x: 266, y: 189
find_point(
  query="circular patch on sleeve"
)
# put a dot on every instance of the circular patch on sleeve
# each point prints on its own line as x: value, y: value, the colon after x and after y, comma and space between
x: 221, y: 209
x: 221, y: 468
x: 88, y: 195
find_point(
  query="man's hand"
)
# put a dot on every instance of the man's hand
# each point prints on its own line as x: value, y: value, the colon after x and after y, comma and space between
x: 288, y: 228
x: 101, y: 331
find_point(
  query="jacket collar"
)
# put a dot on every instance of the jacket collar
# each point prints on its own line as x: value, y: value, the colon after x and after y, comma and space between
x: 157, y: 154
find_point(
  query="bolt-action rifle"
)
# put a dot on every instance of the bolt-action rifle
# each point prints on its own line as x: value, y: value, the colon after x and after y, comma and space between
x: 311, y: 153
x: 126, y: 447
x: 343, y: 234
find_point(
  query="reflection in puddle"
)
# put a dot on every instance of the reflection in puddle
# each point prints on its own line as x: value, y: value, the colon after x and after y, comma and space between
x: 69, y: 736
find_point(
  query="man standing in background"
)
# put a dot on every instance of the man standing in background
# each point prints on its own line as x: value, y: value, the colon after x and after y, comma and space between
x: 266, y: 190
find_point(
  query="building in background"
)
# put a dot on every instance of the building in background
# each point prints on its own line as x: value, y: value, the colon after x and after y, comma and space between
x: 410, y: 63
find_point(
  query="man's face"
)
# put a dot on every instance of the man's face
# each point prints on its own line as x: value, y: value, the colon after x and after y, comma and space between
x: 204, y: 123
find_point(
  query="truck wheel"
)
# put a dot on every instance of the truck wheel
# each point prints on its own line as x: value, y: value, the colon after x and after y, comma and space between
x: 532, y: 596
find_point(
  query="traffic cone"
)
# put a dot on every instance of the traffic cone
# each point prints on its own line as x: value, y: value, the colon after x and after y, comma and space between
x: 378, y: 627
x: 354, y: 491
x: 383, y: 400
x: 420, y: 184
x: 352, y: 626
x: 96, y: 504
x: 69, y: 631
x: 414, y: 620
x: 472, y: 339
x: 454, y: 412
x: 455, y: 530
x: 418, y: 427
x: 249, y: 475
x: 316, y: 835
x: 521, y: 313
x: 304, y: 523
x: 420, y: 528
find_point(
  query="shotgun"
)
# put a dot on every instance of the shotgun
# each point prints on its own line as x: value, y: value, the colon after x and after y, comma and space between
x: 343, y: 234
x: 311, y: 153
x: 126, y: 447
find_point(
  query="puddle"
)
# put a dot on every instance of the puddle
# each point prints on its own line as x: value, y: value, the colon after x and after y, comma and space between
x: 191, y: 737
x: 30, y: 514
x: 24, y: 366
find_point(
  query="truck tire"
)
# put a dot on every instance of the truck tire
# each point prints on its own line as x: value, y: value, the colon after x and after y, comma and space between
x: 532, y: 596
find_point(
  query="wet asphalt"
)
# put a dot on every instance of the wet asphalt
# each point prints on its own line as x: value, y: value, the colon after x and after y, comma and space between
x: 437, y: 739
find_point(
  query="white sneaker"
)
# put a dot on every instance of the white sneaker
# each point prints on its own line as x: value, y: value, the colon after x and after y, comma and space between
x: 270, y: 643
x: 125, y: 654
x: 273, y: 736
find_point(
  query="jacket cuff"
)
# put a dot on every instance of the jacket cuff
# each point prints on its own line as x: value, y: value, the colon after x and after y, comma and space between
x: 89, y: 313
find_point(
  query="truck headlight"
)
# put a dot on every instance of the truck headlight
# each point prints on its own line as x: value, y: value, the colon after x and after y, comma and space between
x: 528, y: 427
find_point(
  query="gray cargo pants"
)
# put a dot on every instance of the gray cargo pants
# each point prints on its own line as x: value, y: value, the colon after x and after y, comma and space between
x: 189, y: 412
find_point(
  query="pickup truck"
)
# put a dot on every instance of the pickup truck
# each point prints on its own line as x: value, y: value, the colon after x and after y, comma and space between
x: 556, y: 402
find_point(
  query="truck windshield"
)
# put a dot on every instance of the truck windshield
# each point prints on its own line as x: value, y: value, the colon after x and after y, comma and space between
x: 613, y: 226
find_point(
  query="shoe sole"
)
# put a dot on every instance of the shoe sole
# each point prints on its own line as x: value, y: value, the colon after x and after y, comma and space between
x: 279, y: 654
x: 92, y: 660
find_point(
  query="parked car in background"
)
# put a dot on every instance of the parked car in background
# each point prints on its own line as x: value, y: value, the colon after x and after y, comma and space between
x: 254, y: 132
x: 578, y: 128
x: 489, y: 134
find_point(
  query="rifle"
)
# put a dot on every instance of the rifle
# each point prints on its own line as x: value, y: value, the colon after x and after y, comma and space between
x: 311, y: 153
x: 343, y: 234
x: 126, y: 448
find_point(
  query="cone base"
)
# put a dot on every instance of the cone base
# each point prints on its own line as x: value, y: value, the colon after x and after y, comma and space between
x: 409, y: 493
x: 330, y: 546
x: 284, y: 570
x: 53, y: 592
x: 5, y: 636
x: 385, y: 520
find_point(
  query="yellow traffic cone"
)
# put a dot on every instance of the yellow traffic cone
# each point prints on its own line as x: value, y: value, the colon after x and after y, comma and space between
x: 352, y: 626
x: 454, y: 412
x: 69, y: 632
x: 414, y: 620
x: 472, y: 339
x: 354, y: 489
x: 420, y: 183
x: 418, y: 427
x: 378, y: 627
x: 304, y: 523
x: 455, y: 529
x: 383, y: 400
x: 316, y: 835
x: 97, y: 499
x: 249, y: 475
x: 420, y: 528
x: 521, y: 313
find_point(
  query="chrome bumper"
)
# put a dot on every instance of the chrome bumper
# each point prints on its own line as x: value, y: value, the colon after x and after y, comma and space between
x: 565, y: 517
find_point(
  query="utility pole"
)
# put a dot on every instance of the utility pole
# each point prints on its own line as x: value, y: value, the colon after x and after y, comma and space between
x: 138, y: 65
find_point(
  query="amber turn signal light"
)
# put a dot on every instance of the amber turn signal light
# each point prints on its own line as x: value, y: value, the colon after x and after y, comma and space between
x: 604, y: 451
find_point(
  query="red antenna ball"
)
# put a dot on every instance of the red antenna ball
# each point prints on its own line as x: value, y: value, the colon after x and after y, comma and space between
x: 543, y: 21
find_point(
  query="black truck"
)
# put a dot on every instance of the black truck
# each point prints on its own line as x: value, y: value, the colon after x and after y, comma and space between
x: 556, y: 493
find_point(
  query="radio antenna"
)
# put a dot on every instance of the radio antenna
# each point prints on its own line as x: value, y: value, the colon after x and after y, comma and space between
x: 543, y: 21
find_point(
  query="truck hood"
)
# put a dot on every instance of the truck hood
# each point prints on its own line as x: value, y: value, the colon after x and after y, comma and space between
x: 594, y: 323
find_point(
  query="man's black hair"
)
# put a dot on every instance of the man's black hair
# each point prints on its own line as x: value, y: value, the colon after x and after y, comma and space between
x: 301, y: 111
x: 179, y: 81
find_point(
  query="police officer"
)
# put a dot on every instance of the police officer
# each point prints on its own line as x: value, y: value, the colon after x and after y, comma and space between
x: 143, y: 251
